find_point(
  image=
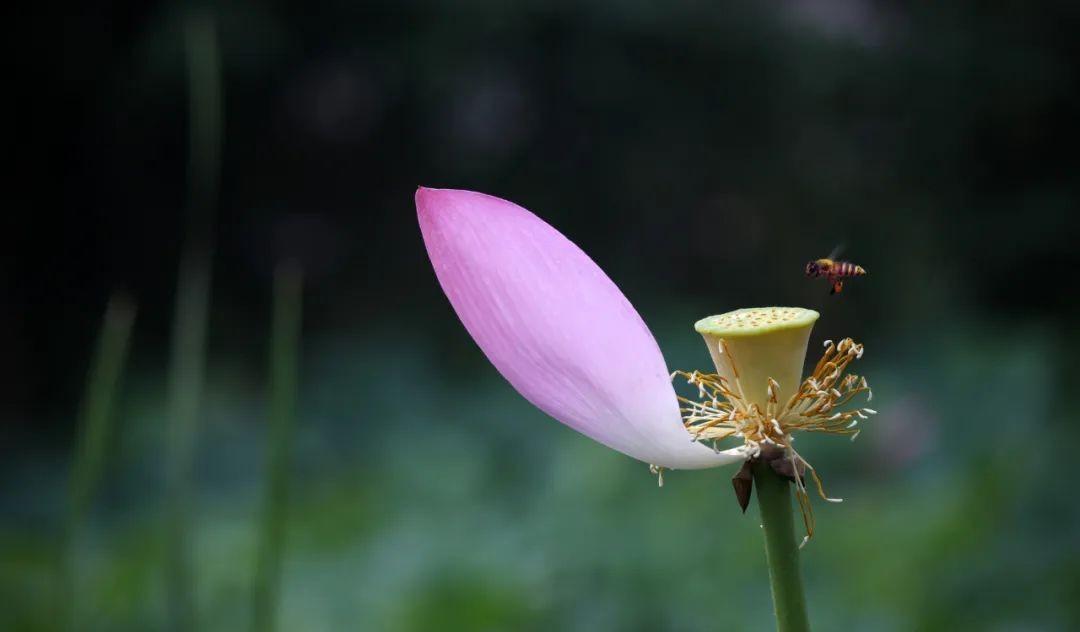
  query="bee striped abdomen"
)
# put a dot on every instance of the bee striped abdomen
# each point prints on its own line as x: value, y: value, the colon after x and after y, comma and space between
x: 848, y: 269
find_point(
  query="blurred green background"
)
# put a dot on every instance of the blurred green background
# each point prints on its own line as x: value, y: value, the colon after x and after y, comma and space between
x: 701, y: 152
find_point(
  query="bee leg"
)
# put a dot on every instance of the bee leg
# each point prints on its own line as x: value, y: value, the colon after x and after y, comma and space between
x: 837, y: 286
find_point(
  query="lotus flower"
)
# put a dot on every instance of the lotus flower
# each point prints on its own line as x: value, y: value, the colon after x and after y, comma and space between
x: 561, y: 332
x: 557, y: 328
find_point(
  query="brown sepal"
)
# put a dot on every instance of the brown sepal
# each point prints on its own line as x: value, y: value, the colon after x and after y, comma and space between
x: 743, y: 482
x: 778, y: 460
x: 784, y: 467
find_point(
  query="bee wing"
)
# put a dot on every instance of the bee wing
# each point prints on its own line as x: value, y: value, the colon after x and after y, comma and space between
x: 836, y: 252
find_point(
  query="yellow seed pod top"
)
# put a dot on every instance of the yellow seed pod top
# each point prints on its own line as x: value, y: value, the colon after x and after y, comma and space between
x: 750, y: 346
x: 756, y: 321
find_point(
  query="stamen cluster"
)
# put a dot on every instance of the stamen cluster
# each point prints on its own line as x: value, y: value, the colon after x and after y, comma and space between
x: 723, y: 410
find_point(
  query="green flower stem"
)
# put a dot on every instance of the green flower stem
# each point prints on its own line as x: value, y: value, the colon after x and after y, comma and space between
x: 781, y: 549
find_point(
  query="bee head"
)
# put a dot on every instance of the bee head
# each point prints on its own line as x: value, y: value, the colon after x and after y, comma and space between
x: 812, y: 269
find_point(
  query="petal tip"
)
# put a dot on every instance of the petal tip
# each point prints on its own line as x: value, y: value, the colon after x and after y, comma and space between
x: 428, y: 203
x: 428, y: 199
x: 434, y: 204
x: 422, y: 196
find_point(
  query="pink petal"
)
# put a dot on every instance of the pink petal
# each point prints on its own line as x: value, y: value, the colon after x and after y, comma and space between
x: 556, y: 327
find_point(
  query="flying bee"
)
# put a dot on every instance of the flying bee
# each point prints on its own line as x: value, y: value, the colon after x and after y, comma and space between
x: 833, y: 270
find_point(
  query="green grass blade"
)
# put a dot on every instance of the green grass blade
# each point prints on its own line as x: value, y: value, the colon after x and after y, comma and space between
x: 188, y: 359
x: 92, y: 433
x: 284, y: 361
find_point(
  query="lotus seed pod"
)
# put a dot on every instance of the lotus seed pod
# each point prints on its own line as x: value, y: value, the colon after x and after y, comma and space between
x: 750, y: 346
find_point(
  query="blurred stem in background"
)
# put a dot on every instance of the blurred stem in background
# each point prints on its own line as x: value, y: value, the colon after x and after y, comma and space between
x: 192, y: 304
x: 284, y: 361
x: 94, y: 425
x: 781, y: 551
